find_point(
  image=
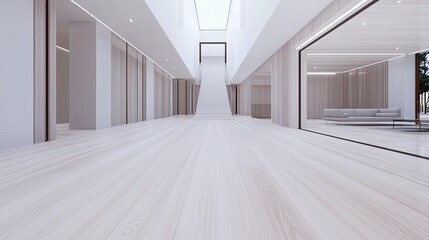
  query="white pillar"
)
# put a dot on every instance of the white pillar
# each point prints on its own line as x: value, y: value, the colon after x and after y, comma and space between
x: 16, y: 73
x: 401, y: 85
x: 90, y: 76
x: 104, y: 77
x: 150, y: 90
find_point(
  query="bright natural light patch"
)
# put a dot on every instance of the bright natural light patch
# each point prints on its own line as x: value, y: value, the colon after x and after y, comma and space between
x: 213, y: 14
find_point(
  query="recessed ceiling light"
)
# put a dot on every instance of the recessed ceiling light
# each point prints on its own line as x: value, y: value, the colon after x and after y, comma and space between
x: 166, y: 60
x: 314, y: 67
x: 174, y: 68
x: 131, y: 20
x: 397, y: 48
x: 364, y: 24
x: 117, y: 34
x: 399, y: 1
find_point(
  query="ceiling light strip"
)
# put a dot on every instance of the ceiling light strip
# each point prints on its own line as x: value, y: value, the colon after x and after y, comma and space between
x: 63, y: 49
x: 421, y: 51
x: 321, y: 73
x: 102, y: 23
x: 354, y: 54
x: 372, y: 64
x: 333, y: 23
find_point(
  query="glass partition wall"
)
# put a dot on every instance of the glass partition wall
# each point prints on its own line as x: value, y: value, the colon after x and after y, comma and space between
x: 359, y: 82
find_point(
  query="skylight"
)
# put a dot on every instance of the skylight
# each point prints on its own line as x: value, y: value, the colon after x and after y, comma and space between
x: 213, y: 14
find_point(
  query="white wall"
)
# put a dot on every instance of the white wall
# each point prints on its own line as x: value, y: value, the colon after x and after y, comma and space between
x: 16, y: 73
x: 150, y: 90
x: 179, y: 21
x: 280, y: 22
x: 402, y: 85
x: 213, y: 36
x: 82, y: 75
x: 255, y: 15
x: 62, y: 86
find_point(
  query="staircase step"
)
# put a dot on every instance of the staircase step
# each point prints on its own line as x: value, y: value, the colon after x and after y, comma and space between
x: 213, y: 102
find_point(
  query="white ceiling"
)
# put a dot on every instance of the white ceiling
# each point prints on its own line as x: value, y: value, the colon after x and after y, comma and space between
x: 145, y: 33
x: 386, y: 28
x: 288, y: 18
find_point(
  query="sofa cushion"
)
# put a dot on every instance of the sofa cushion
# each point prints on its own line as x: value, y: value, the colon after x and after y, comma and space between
x: 390, y: 110
x: 387, y: 115
x: 333, y: 113
x: 348, y: 112
x: 364, y: 112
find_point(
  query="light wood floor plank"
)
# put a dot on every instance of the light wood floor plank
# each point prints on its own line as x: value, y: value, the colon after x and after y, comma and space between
x: 180, y: 178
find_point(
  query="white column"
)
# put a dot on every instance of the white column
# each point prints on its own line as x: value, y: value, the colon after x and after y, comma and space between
x: 16, y: 73
x: 150, y: 90
x: 104, y: 77
x: 401, y: 85
x: 90, y: 76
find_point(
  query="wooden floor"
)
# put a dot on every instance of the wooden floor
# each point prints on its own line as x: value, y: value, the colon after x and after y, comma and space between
x: 404, y: 137
x: 179, y: 178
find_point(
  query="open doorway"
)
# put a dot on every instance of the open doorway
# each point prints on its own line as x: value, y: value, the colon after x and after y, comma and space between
x: 213, y: 49
x: 67, y: 13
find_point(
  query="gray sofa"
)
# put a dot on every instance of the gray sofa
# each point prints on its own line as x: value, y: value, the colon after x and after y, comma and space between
x: 361, y: 115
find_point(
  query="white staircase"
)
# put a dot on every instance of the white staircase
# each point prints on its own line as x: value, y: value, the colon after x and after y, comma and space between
x: 213, y: 100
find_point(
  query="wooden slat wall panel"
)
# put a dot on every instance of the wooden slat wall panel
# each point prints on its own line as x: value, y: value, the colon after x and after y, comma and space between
x: 184, y: 97
x: 175, y: 97
x: 233, y: 98
x: 118, y: 81
x: 165, y: 97
x: 132, y: 85
x: 196, y: 94
x: 45, y: 72
x: 140, y: 87
x: 189, y: 97
x: 245, y: 97
x: 144, y: 88
x: 323, y: 92
x: 362, y: 88
x: 162, y: 91
x: 261, y: 101
x: 157, y: 92
x: 228, y: 92
x: 52, y: 70
x: 40, y: 71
